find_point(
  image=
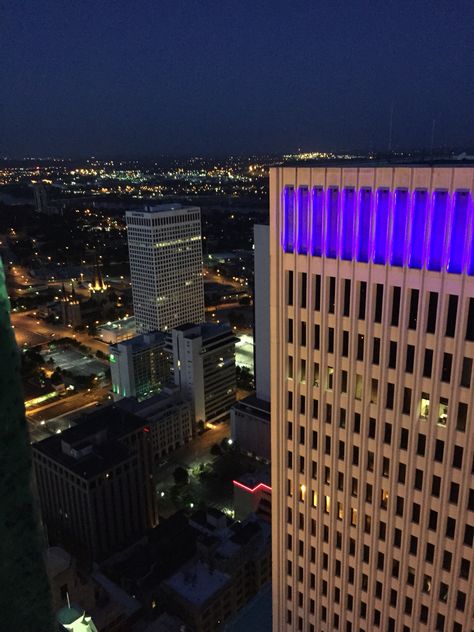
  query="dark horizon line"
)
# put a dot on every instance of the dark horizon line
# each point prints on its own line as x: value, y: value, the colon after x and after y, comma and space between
x: 419, y: 151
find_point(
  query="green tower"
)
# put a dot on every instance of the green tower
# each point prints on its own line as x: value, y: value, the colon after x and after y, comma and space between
x: 24, y: 595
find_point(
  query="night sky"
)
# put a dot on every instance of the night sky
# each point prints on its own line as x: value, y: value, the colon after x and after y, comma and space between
x: 141, y: 78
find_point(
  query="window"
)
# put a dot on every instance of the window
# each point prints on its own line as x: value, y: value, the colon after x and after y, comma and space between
x: 376, y: 351
x: 347, y: 297
x: 432, y: 520
x: 452, y: 314
x: 397, y: 538
x: 461, y: 417
x: 290, y: 288
x: 360, y: 346
x: 345, y: 344
x: 392, y: 357
x: 466, y: 372
x: 406, y: 401
x: 454, y: 493
x: 470, y: 321
x: 428, y: 363
x: 450, y: 527
x: 362, y: 299
x: 395, y: 306
x: 435, y: 486
x: 330, y: 339
x: 432, y: 309
x: 410, y: 359
x: 317, y: 292
x: 290, y: 400
x: 371, y: 432
x: 404, y: 439
x: 332, y: 294
x: 421, y: 446
x: 418, y: 484
x: 378, y: 303
x: 303, y: 289
x: 446, y: 368
x: 317, y: 331
x: 290, y: 330
x: 303, y: 334
x: 390, y: 395
x: 413, y: 313
x: 457, y: 456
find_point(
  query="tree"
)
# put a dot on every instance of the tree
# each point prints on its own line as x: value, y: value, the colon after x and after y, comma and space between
x: 181, y: 476
x: 216, y: 450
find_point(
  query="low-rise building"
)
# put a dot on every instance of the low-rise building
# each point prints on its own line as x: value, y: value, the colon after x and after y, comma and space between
x: 250, y: 426
x: 169, y: 419
x: 253, y: 494
x: 232, y: 565
x: 116, y: 331
x: 139, y: 366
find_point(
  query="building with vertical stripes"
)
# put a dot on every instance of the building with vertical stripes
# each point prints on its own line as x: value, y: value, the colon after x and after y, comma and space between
x: 372, y: 350
x: 165, y: 249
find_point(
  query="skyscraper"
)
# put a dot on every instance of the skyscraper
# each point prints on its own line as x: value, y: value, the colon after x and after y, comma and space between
x: 165, y: 252
x: 21, y: 545
x: 372, y: 349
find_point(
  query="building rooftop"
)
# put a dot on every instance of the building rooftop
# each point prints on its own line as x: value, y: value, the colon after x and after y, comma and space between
x: 460, y: 160
x: 197, y: 582
x: 124, y: 323
x: 256, y: 406
x: 92, y: 446
x: 162, y: 208
x: 142, y: 342
x: 206, y: 331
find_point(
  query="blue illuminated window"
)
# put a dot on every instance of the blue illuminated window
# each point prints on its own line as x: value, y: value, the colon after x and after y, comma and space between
x: 331, y: 222
x: 318, y: 209
x: 288, y: 219
x: 418, y: 225
x: 303, y: 216
x: 381, y: 225
x: 347, y: 232
x: 400, y: 210
x: 438, y: 226
x: 365, y: 198
x: 458, y: 233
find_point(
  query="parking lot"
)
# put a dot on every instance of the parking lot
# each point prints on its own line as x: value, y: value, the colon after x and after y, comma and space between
x: 74, y: 360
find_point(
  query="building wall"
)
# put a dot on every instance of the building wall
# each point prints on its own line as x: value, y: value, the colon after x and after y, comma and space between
x: 102, y: 513
x: 250, y: 431
x: 165, y: 251
x: 262, y: 311
x: 372, y: 497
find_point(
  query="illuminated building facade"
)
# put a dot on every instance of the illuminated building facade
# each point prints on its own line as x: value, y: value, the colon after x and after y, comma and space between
x: 204, y: 368
x: 372, y: 351
x: 139, y: 366
x: 165, y: 252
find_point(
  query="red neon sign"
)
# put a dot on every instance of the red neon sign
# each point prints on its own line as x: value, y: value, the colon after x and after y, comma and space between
x: 252, y: 490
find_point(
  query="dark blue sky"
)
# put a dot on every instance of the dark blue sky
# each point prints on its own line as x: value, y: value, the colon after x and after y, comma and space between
x: 148, y: 77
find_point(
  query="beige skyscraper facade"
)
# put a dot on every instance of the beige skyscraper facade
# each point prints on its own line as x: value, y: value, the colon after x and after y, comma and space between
x: 372, y: 353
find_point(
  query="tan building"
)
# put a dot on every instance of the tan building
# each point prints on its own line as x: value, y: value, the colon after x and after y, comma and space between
x: 372, y: 349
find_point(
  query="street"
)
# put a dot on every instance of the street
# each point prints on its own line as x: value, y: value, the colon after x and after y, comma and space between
x: 34, y: 331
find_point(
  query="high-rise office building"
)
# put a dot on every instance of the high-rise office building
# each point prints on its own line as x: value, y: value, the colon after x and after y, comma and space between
x: 165, y: 250
x: 372, y: 350
x: 139, y: 366
x: 250, y: 417
x: 204, y: 368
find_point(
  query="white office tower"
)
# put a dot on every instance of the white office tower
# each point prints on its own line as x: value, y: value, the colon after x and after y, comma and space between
x: 250, y: 417
x: 372, y: 349
x: 204, y: 368
x: 165, y: 251
x: 139, y: 366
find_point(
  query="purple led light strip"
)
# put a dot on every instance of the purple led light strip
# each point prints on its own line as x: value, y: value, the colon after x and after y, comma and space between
x: 438, y: 237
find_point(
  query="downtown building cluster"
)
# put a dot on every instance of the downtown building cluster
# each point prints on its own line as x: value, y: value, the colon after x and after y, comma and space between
x: 372, y: 350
